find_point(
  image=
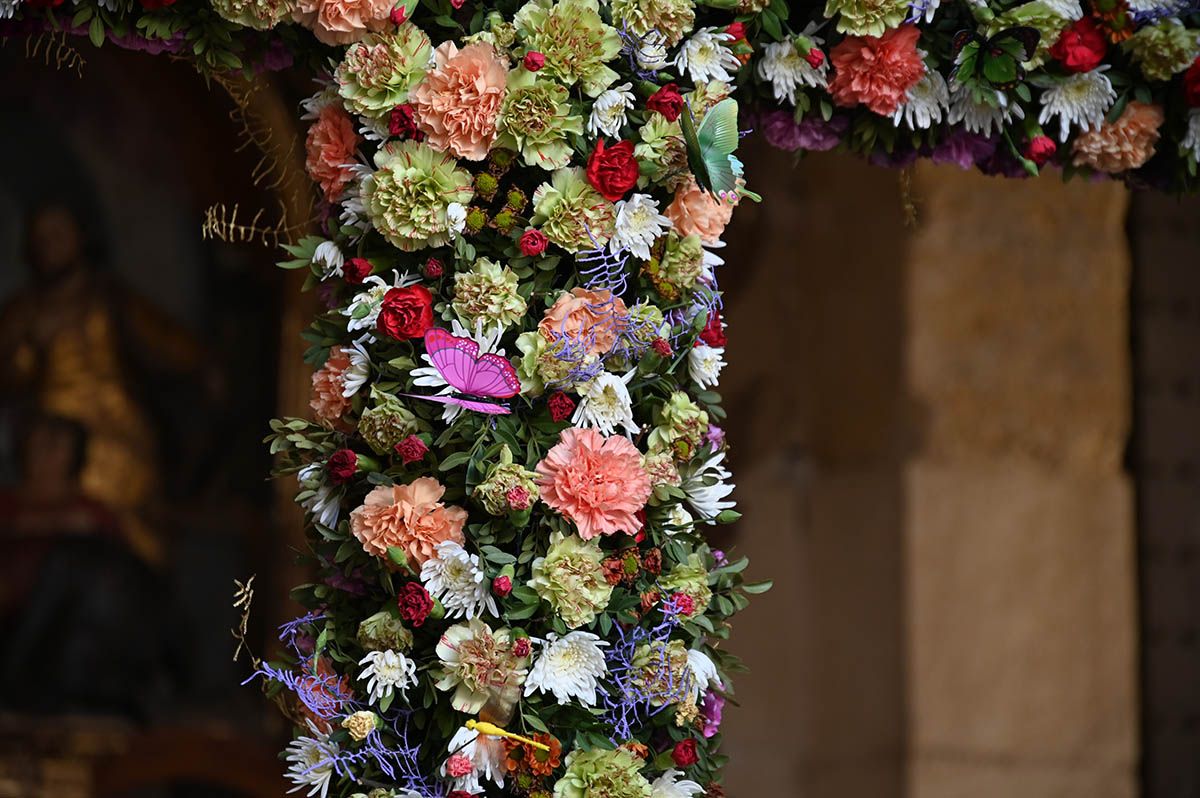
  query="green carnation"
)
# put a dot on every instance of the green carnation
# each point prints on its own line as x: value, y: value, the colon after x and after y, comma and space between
x: 1162, y: 49
x: 410, y: 198
x: 681, y: 427
x: 1037, y: 15
x: 535, y: 119
x: 660, y: 150
x: 570, y: 578
x: 506, y: 485
x: 675, y: 264
x: 383, y: 631
x: 540, y: 365
x: 867, y: 17
x: 376, y: 73
x: 571, y: 213
x: 691, y: 579
x: 257, y: 14
x: 672, y: 18
x: 387, y: 423
x: 663, y: 672
x: 576, y: 42
x: 488, y: 293
x: 601, y: 773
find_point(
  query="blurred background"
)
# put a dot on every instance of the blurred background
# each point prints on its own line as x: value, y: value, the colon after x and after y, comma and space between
x: 967, y: 449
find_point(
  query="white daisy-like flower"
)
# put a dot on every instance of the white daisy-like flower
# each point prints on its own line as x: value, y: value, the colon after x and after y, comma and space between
x: 981, y: 117
x: 670, y: 785
x: 706, y: 487
x: 705, y: 671
x: 454, y: 578
x: 329, y: 259
x: 786, y: 70
x: 605, y: 404
x: 311, y: 762
x: 1154, y: 7
x: 705, y: 57
x: 926, y: 9
x: 456, y: 219
x: 1190, y: 144
x: 679, y: 520
x: 926, y: 104
x: 359, y: 371
x: 324, y: 503
x: 428, y: 376
x: 609, y: 109
x: 651, y: 52
x: 386, y: 672
x: 1067, y: 9
x: 1080, y: 100
x: 485, y: 755
x: 569, y: 667
x: 705, y: 364
x: 363, y: 310
x: 638, y: 225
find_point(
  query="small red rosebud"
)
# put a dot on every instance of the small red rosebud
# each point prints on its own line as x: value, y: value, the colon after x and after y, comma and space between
x: 737, y: 30
x: 666, y: 101
x: 1040, y: 149
x: 502, y: 586
x: 457, y: 4
x: 342, y: 466
x: 521, y: 647
x: 433, y: 269
x: 355, y: 270
x: 684, y: 753
x: 534, y: 61
x: 561, y: 406
x: 533, y: 242
x: 402, y: 123
x: 1191, y: 85
x: 459, y: 794
x: 815, y: 57
x: 661, y: 346
x: 399, y: 15
x: 411, y: 450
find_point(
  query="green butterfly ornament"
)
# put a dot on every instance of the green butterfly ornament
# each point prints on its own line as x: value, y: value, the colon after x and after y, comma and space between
x: 710, y: 149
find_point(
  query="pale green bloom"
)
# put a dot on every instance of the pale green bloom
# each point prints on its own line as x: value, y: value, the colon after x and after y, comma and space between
x: 867, y: 17
x: 575, y: 40
x: 601, y: 773
x: 488, y: 293
x: 387, y: 423
x: 383, y: 631
x: 660, y: 150
x: 535, y: 119
x: 1162, y: 49
x: 1038, y: 15
x: 570, y: 578
x: 681, y: 427
x: 664, y: 672
x: 675, y: 265
x: 257, y: 14
x: 571, y: 213
x: 689, y: 578
x: 376, y: 73
x: 539, y: 365
x: 496, y: 492
x: 409, y: 197
x: 674, y: 19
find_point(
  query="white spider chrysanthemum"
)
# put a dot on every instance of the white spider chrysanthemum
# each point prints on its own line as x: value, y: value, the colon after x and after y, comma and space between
x: 706, y: 487
x: 1190, y: 145
x: 679, y: 520
x: 454, y: 578
x: 427, y: 376
x: 486, y: 755
x: 311, y: 762
x: 705, y: 671
x: 363, y: 310
x: 326, y: 95
x: 1078, y: 101
x: 651, y: 52
x: 786, y: 70
x: 638, y: 226
x: 569, y: 667
x: 609, y: 109
x: 1067, y: 9
x: 605, y: 404
x: 329, y: 259
x: 981, y: 117
x: 376, y: 130
x: 387, y: 672
x: 926, y: 104
x: 359, y: 371
x: 324, y: 503
x: 670, y: 785
x: 705, y: 57
x: 705, y: 364
x: 354, y: 212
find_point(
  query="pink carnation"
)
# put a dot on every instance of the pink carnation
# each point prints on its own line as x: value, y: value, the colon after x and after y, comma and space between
x: 597, y: 482
x: 343, y: 21
x: 328, y: 386
x: 696, y: 211
x: 876, y: 71
x: 1124, y: 144
x: 329, y: 149
x: 459, y: 101
x: 410, y: 517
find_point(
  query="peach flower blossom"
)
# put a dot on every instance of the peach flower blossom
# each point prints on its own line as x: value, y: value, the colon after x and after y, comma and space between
x: 876, y: 71
x: 329, y: 148
x: 696, y: 211
x: 590, y: 318
x: 410, y: 517
x: 459, y: 101
x: 1125, y: 144
x: 597, y: 482
x: 328, y: 386
x: 343, y: 21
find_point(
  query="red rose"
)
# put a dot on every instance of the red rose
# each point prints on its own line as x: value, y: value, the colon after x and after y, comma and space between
x: 433, y: 269
x: 561, y: 406
x: 815, y: 57
x: 355, y: 270
x: 414, y: 603
x: 403, y: 124
x: 1191, y: 84
x: 534, y: 60
x: 1040, y: 149
x: 1081, y: 47
x: 342, y: 466
x: 613, y: 171
x: 713, y: 333
x: 684, y: 754
x: 411, y: 450
x: 502, y: 586
x: 666, y: 101
x: 533, y: 242
x: 406, y: 312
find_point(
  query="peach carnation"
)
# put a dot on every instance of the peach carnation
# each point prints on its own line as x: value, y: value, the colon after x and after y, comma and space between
x: 459, y: 101
x: 410, y: 517
x: 329, y: 149
x: 597, y: 482
x: 876, y: 71
x: 343, y: 21
x: 1125, y: 144
x: 590, y: 318
x: 696, y: 211
x: 328, y: 400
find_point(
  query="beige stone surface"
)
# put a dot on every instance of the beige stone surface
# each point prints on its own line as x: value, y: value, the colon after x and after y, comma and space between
x: 1009, y: 778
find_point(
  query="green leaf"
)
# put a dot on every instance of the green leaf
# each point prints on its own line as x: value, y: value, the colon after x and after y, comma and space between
x: 754, y: 588
x: 96, y: 32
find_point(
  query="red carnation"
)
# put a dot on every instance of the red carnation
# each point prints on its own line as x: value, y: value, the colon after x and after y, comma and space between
x: 1040, y: 149
x: 613, y: 171
x: 411, y: 450
x: 561, y: 406
x: 1191, y: 85
x: 1081, y: 47
x: 342, y: 466
x: 652, y: 562
x: 355, y: 270
x: 406, y: 312
x: 502, y: 586
x: 666, y: 101
x: 402, y: 123
x: 684, y: 604
x: 414, y: 602
x: 534, y: 60
x: 713, y: 333
x: 684, y: 754
x: 533, y: 242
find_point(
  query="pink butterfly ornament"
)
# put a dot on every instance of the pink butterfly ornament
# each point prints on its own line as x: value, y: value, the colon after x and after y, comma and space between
x: 474, y: 378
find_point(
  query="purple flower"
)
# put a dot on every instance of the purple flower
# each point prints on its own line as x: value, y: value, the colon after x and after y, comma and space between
x: 900, y: 157
x: 715, y: 436
x: 814, y: 134
x: 710, y: 709
x: 963, y: 148
x: 276, y: 58
x: 1003, y: 163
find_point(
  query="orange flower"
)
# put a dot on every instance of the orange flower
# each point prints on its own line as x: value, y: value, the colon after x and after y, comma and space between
x: 696, y: 211
x: 1125, y: 144
x: 410, y: 517
x: 459, y: 101
x: 522, y: 756
x: 328, y: 385
x: 343, y: 21
x: 597, y: 482
x: 329, y: 148
x: 590, y: 318
x: 876, y: 71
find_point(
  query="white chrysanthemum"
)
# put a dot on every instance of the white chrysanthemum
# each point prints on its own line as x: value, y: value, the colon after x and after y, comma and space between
x: 454, y: 578
x: 1067, y: 9
x: 638, y: 226
x: 651, y: 52
x: 311, y: 761
x: 705, y: 363
x: 8, y: 8
x: 669, y: 785
x: 605, y: 404
x: 705, y: 57
x: 428, y: 376
x: 329, y: 259
x: 358, y: 372
x: 1078, y: 101
x: 926, y: 104
x: 486, y: 755
x: 786, y: 70
x: 456, y: 219
x: 708, y: 266
x: 609, y: 109
x: 925, y: 8
x: 324, y: 503
x: 705, y: 671
x: 387, y: 672
x: 363, y: 310
x: 570, y: 667
x: 706, y: 487
x: 1190, y: 145
x: 679, y: 520
x: 981, y: 117
x: 377, y: 130
x: 1156, y: 8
